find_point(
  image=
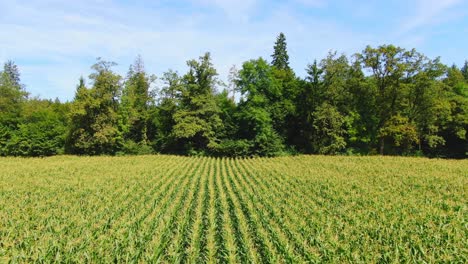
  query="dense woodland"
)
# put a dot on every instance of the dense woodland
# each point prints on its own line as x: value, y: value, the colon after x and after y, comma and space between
x: 384, y: 100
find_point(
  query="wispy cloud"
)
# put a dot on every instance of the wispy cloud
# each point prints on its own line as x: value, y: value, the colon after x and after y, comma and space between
x: 54, y: 42
x: 235, y: 10
x: 429, y: 12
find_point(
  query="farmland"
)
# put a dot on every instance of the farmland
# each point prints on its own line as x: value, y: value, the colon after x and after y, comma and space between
x: 189, y: 209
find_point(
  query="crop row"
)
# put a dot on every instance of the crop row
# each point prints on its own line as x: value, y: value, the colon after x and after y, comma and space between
x: 193, y: 210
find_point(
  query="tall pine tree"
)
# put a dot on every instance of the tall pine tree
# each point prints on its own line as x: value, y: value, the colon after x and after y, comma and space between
x: 464, y: 70
x: 135, y: 103
x: 12, y: 71
x: 280, y: 54
x: 12, y: 98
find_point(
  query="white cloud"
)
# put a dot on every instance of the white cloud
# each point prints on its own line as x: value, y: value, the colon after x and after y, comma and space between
x: 236, y: 10
x: 428, y: 12
x: 56, y: 42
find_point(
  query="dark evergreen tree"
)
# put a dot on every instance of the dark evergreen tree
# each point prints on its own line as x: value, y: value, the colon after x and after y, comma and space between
x: 12, y: 99
x: 309, y: 97
x: 163, y: 119
x: 135, y: 108
x: 12, y: 71
x: 280, y: 57
x: 464, y: 70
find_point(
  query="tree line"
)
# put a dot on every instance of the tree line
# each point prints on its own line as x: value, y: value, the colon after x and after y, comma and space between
x: 384, y: 100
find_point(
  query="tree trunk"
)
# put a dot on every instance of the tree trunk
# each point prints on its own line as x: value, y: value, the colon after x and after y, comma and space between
x: 382, y: 145
x: 144, y: 133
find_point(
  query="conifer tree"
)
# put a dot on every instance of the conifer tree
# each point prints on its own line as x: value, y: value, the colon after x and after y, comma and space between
x: 464, y: 70
x: 11, y: 70
x: 280, y: 54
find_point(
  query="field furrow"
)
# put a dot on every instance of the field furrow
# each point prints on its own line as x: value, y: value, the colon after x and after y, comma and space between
x: 172, y: 209
x: 168, y: 222
x: 247, y: 250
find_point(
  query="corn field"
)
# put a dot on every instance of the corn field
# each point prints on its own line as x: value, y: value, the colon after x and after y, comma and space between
x: 262, y: 210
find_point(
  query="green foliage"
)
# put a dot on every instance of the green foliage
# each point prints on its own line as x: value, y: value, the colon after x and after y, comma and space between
x: 310, y: 94
x: 234, y: 148
x: 401, y: 131
x: 163, y: 115
x: 132, y: 148
x: 268, y: 143
x: 228, y: 109
x: 283, y: 85
x: 94, y: 114
x: 258, y: 85
x: 12, y: 96
x: 12, y: 73
x: 385, y: 100
x: 41, y: 133
x: 134, y: 110
x: 329, y: 130
x: 336, y: 75
x: 393, y: 69
x: 464, y: 70
x: 12, y: 99
x: 361, y: 119
x: 197, y: 119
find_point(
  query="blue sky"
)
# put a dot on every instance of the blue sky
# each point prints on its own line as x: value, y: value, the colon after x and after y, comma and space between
x: 56, y: 42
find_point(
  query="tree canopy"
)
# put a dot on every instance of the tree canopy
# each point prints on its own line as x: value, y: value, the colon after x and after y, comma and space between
x: 382, y: 100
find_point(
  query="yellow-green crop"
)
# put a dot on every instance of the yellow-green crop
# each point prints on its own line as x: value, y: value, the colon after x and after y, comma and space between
x: 263, y: 210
